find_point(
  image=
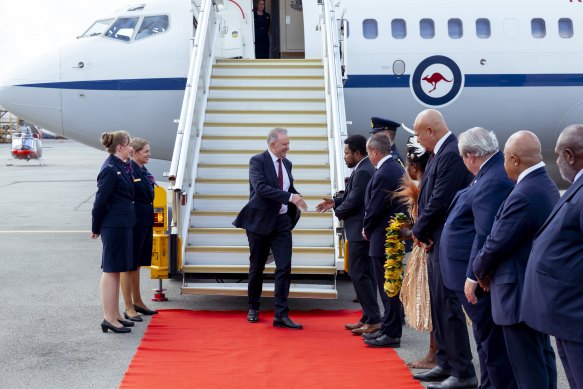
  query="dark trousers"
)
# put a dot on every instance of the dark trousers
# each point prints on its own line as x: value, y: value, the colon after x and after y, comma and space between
x: 392, y: 325
x: 532, y: 357
x: 280, y: 242
x: 449, y: 324
x: 496, y: 371
x: 363, y: 278
x: 571, y: 354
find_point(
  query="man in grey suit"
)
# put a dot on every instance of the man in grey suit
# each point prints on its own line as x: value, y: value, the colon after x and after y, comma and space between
x: 552, y: 301
x: 350, y: 208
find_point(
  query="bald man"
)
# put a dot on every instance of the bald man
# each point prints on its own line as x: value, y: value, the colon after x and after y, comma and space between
x: 552, y: 300
x: 445, y: 174
x: 500, y: 265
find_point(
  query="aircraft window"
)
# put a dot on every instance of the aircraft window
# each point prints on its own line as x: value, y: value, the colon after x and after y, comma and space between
x: 427, y: 28
x: 538, y: 28
x: 483, y: 30
x: 97, y: 28
x: 455, y: 28
x: 370, y: 28
x: 122, y: 29
x: 152, y: 25
x: 399, y: 28
x: 565, y: 28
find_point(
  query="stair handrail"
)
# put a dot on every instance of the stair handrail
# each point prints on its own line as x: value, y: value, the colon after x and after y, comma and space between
x: 185, y: 158
x: 335, y: 108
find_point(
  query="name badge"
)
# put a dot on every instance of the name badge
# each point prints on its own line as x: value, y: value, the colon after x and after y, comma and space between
x: 137, y: 179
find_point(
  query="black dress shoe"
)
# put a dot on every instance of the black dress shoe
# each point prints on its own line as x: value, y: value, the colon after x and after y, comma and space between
x: 253, y: 316
x: 455, y: 383
x: 132, y: 318
x: 126, y: 323
x: 286, y: 322
x: 373, y: 335
x: 144, y: 311
x: 383, y: 341
x: 438, y: 373
x: 105, y: 325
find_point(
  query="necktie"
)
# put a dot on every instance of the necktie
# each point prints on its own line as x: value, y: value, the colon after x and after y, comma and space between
x: 279, y: 175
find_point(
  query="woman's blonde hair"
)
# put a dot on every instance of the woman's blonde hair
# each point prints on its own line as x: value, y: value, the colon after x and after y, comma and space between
x: 113, y: 139
x: 139, y: 143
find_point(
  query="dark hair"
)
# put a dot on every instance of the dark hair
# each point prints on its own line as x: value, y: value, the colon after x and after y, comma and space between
x: 356, y: 143
x: 113, y: 139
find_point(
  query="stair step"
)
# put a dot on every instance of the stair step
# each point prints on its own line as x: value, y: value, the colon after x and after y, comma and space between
x: 241, y: 186
x: 266, y: 92
x: 270, y: 62
x: 250, y: 142
x: 240, y: 171
x: 240, y: 118
x: 272, y: 82
x: 240, y: 289
x: 261, y: 130
x: 269, y: 269
x: 243, y: 156
x: 267, y: 70
x: 238, y: 237
x: 224, y: 219
x: 267, y: 104
x: 235, y: 203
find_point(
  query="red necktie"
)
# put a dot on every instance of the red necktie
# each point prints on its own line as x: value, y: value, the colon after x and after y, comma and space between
x: 280, y: 175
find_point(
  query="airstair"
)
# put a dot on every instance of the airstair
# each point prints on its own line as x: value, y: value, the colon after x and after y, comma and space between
x: 229, y: 107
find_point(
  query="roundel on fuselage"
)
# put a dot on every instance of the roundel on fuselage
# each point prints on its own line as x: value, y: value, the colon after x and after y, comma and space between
x: 437, y: 81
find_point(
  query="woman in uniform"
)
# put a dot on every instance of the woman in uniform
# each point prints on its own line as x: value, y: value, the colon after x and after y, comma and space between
x: 142, y: 234
x: 262, y: 21
x: 113, y: 219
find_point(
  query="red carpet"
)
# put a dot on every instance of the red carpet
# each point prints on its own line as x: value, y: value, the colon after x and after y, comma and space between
x: 204, y: 349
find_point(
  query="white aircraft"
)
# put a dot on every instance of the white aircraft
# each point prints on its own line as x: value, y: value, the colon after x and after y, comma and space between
x: 504, y: 65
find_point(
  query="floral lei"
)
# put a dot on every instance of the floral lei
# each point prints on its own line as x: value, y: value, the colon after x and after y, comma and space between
x: 394, y: 252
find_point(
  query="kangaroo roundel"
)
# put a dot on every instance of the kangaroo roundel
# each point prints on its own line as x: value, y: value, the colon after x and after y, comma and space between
x: 437, y: 81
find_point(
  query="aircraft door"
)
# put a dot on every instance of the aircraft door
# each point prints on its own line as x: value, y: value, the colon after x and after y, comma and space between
x: 292, y: 28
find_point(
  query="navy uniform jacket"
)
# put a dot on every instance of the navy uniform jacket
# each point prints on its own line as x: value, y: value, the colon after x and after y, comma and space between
x: 114, y: 200
x: 553, y: 286
x: 469, y: 222
x: 265, y: 199
x: 505, y: 254
x: 350, y: 207
x: 379, y: 205
x: 143, y: 197
x: 443, y: 177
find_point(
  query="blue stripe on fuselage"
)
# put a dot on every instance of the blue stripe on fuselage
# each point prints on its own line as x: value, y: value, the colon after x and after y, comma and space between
x: 471, y: 80
x: 178, y: 83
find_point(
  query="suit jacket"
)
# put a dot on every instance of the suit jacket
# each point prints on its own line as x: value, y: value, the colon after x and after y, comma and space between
x: 350, y: 207
x: 379, y: 204
x: 265, y: 198
x: 505, y: 254
x: 143, y: 197
x: 469, y: 222
x: 553, y: 287
x: 114, y: 200
x: 443, y: 177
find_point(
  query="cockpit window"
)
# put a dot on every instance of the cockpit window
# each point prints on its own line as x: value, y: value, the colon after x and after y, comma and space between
x: 97, y: 28
x: 122, y: 29
x: 152, y: 25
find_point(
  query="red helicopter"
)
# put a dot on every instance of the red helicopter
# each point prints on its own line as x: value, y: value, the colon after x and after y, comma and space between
x: 26, y: 145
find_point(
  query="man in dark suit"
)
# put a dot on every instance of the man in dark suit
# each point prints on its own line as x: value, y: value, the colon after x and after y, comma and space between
x: 445, y: 174
x: 553, y: 287
x: 468, y: 224
x: 379, y: 207
x: 268, y: 218
x: 500, y: 265
x: 389, y: 129
x: 350, y: 209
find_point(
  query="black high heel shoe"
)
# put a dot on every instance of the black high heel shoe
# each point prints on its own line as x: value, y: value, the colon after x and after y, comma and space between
x: 126, y: 323
x: 144, y: 311
x: 132, y: 318
x: 105, y: 325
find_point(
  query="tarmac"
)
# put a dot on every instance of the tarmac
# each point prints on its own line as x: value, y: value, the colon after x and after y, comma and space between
x: 49, y: 280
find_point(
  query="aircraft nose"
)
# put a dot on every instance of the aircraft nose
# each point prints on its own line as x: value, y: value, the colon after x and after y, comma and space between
x: 32, y: 92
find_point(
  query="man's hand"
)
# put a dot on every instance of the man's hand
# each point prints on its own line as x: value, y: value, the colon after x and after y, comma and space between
x: 470, y: 291
x: 405, y: 233
x: 485, y: 283
x: 364, y: 235
x: 325, y: 205
x: 94, y: 235
x: 299, y: 202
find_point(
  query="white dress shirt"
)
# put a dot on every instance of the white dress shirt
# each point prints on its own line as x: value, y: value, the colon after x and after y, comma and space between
x: 286, y: 182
